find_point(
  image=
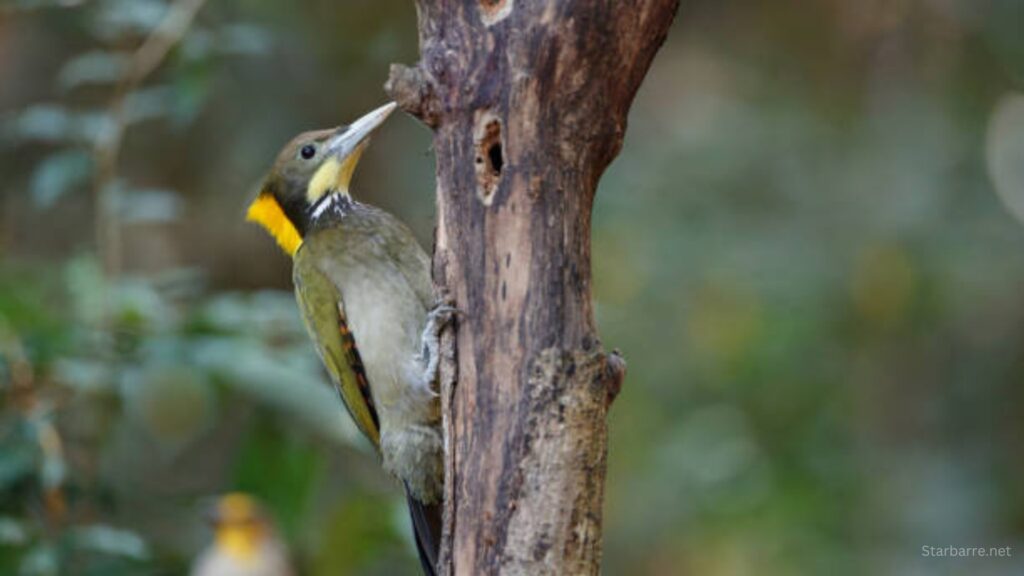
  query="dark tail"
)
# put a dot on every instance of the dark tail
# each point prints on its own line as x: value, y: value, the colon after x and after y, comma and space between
x: 426, y: 526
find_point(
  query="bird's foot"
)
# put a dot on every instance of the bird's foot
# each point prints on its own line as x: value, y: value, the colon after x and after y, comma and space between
x: 430, y: 354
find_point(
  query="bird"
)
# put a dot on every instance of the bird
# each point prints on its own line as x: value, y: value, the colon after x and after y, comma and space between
x: 245, y: 542
x: 363, y: 287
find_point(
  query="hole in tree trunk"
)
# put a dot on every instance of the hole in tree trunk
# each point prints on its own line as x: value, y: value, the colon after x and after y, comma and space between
x: 494, y: 155
x: 493, y: 11
x: 490, y: 159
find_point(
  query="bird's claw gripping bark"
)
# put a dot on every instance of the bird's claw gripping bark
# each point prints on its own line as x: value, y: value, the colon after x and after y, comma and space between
x: 439, y: 317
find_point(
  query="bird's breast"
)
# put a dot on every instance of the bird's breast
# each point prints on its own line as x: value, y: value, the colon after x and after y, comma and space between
x: 386, y: 319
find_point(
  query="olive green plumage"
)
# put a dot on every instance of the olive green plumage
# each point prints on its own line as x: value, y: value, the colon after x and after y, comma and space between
x: 362, y: 283
x: 360, y: 275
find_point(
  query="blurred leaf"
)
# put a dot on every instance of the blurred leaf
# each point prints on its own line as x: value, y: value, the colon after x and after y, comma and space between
x: 149, y: 206
x: 724, y: 323
x: 98, y: 67
x: 12, y: 532
x: 230, y: 40
x: 293, y: 384
x: 84, y: 375
x: 53, y: 472
x: 109, y: 540
x: 48, y: 123
x: 52, y: 468
x: 42, y: 560
x: 286, y: 486
x: 243, y: 40
x: 272, y: 314
x: 135, y: 304
x: 37, y: 4
x: 149, y: 103
x: 197, y: 44
x: 181, y: 283
x: 139, y: 306
x: 714, y: 446
x: 58, y: 173
x: 43, y: 122
x: 118, y: 18
x: 883, y: 286
x: 17, y: 460
x: 92, y: 127
x: 193, y: 88
x: 30, y: 306
x: 173, y: 403
x: 1004, y: 152
x: 87, y: 288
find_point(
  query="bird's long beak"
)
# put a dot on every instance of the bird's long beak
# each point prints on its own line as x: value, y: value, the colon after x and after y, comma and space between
x: 347, y: 141
x: 343, y: 151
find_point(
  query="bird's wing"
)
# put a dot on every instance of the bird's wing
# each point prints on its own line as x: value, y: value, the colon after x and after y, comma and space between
x: 323, y: 312
x: 414, y: 264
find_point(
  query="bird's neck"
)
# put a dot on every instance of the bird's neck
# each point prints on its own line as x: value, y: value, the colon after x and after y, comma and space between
x: 331, y: 207
x: 339, y: 212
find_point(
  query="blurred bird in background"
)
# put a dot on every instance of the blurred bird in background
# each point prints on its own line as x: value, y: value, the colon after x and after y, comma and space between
x: 245, y: 542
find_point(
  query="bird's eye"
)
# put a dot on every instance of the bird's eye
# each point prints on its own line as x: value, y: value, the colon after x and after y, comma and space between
x: 308, y: 151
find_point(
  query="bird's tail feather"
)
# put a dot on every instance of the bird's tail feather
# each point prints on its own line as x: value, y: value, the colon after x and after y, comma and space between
x: 426, y: 526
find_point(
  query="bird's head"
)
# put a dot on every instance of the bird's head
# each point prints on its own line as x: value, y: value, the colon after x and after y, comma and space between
x: 240, y: 525
x: 310, y: 178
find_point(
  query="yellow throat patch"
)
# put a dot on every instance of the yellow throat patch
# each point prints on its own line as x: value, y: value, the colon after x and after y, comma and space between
x: 333, y: 176
x: 267, y: 212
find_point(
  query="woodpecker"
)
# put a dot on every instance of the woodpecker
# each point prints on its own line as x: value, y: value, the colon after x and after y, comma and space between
x: 362, y: 283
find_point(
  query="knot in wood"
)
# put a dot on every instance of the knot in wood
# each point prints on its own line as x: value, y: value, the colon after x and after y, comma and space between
x: 413, y: 90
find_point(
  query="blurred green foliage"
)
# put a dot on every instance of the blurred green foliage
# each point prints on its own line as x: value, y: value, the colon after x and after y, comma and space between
x: 808, y: 252
x: 130, y: 399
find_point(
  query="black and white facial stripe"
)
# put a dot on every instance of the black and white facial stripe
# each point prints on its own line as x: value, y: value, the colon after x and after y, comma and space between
x: 331, y: 203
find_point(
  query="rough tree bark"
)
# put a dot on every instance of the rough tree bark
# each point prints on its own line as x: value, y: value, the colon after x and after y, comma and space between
x: 528, y: 102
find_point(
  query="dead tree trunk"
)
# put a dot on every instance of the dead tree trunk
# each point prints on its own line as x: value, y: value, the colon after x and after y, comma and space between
x: 528, y: 101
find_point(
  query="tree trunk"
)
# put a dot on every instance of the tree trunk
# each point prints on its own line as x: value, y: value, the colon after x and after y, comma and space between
x: 528, y: 101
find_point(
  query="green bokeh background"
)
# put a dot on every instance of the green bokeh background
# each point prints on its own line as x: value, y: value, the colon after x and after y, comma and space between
x: 809, y: 251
